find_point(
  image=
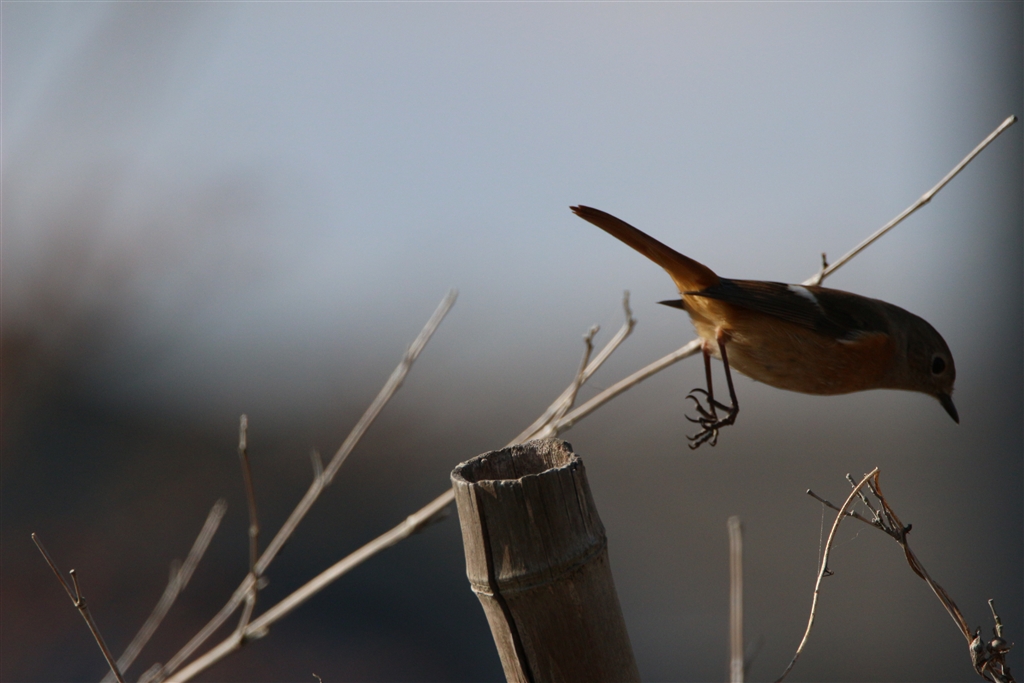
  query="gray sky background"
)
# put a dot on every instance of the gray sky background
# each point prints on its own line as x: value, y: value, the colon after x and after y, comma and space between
x: 217, y: 208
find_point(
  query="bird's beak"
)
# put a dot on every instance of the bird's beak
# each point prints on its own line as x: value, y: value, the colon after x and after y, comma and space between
x: 674, y: 303
x: 947, y: 402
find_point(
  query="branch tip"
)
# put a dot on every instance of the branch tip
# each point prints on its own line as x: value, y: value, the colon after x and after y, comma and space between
x: 243, y: 429
x: 998, y: 628
x: 78, y: 590
x: 79, y: 603
x: 630, y: 321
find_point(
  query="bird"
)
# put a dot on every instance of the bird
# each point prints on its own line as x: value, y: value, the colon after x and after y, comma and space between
x: 804, y: 338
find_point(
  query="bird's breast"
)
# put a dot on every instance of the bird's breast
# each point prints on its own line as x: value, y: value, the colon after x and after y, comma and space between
x: 789, y: 356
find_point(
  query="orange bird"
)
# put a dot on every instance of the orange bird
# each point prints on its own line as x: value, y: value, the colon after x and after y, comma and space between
x: 809, y: 339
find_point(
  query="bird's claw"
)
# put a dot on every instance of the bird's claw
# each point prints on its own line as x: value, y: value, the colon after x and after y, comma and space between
x: 708, y: 419
x: 711, y: 412
x: 705, y: 413
x: 706, y: 435
x: 712, y: 402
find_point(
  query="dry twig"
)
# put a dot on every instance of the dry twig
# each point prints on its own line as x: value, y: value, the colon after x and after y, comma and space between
x: 245, y: 629
x: 254, y: 526
x: 250, y: 491
x: 79, y: 602
x: 181, y: 572
x: 827, y: 270
x: 823, y: 571
x: 988, y: 658
x: 736, y: 663
x: 541, y: 427
x: 574, y: 388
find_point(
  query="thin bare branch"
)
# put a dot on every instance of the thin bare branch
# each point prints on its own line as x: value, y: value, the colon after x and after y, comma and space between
x: 574, y: 388
x: 259, y: 626
x: 233, y: 603
x: 894, y: 527
x: 620, y: 336
x: 179, y: 578
x: 998, y: 628
x: 412, y: 524
x: 79, y: 602
x: 247, y: 609
x: 392, y: 385
x: 619, y: 387
x: 312, y: 493
x: 322, y: 477
x: 150, y: 674
x: 850, y: 513
x: 821, y: 273
x: 823, y: 569
x: 867, y: 502
x: 389, y: 389
x: 254, y: 525
x: 541, y: 426
x: 202, y: 541
x: 925, y: 198
x: 736, y: 662
x: 53, y: 566
x: 250, y: 492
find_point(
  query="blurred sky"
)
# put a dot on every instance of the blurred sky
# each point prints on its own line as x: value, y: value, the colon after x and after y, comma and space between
x: 217, y: 208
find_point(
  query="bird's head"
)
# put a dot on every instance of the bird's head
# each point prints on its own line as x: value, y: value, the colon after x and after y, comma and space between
x: 929, y: 364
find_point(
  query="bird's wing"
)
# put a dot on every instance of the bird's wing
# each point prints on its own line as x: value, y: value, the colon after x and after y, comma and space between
x: 840, y: 315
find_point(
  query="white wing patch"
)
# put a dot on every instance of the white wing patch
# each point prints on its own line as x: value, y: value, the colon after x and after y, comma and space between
x: 805, y: 293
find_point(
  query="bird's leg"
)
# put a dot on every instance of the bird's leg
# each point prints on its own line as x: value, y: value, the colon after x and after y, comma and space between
x: 733, y: 409
x: 708, y: 420
x: 709, y: 412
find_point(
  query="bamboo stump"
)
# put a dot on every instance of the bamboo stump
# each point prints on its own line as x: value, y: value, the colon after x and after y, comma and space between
x: 537, y: 558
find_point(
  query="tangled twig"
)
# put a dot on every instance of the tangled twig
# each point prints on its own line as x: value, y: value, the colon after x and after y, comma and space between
x: 988, y: 658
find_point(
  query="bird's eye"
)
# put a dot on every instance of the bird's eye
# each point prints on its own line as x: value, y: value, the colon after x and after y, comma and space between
x: 938, y: 365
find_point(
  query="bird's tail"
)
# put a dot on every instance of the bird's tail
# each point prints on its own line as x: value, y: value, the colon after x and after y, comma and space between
x: 689, y: 275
